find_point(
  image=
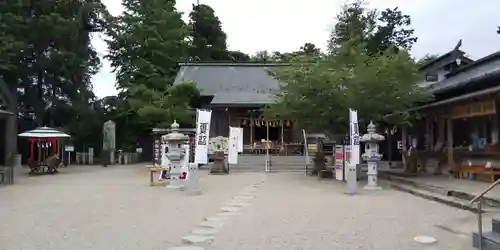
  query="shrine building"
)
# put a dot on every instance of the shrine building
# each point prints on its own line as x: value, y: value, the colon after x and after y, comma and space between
x: 460, y: 126
x: 236, y: 92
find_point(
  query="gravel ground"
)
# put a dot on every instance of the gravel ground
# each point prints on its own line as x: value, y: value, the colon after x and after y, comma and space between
x: 292, y: 211
x: 114, y: 208
x: 90, y: 207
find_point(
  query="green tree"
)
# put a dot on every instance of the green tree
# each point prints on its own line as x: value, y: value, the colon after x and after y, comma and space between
x: 317, y: 90
x: 46, y: 58
x: 426, y: 59
x: 375, y: 30
x: 262, y: 56
x: 238, y: 56
x: 319, y: 94
x: 146, y: 43
x: 208, y: 40
x: 308, y: 49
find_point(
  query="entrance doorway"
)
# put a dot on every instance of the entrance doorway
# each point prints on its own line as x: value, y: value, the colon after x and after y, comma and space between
x: 261, y: 134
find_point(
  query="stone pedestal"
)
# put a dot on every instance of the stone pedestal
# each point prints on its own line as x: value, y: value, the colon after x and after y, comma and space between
x: 372, y: 176
x: 112, y: 157
x: 219, y: 164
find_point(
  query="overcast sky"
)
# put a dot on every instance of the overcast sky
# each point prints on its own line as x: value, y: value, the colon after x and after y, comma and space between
x: 285, y: 25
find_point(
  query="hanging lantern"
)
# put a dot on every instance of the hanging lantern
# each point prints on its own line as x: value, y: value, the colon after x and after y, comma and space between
x: 287, y: 123
x: 244, y: 122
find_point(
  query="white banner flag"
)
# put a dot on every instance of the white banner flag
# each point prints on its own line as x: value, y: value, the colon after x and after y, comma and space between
x: 202, y: 136
x: 240, y: 140
x: 232, y: 155
x: 353, y: 160
x: 354, y: 136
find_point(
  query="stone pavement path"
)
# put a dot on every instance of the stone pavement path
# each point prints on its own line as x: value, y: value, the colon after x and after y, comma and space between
x: 292, y: 211
x: 114, y: 208
x: 91, y: 207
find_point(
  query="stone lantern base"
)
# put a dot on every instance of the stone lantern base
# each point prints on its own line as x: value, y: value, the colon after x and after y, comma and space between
x: 219, y: 164
x: 372, y: 177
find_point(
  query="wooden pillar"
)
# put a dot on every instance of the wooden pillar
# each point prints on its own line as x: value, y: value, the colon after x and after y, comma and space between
x: 268, y: 143
x: 252, y: 124
x: 449, y: 142
x: 282, y: 133
x: 431, y: 132
x: 389, y: 147
x: 404, y: 152
x: 427, y: 134
x: 441, y: 130
x: 267, y: 130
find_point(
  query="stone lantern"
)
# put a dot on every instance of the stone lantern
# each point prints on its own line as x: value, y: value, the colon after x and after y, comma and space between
x: 371, y: 155
x: 176, y: 153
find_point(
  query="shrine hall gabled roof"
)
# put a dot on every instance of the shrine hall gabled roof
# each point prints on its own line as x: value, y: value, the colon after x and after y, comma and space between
x: 231, y: 83
x: 479, y: 70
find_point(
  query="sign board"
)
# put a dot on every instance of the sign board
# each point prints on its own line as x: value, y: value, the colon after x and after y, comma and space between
x: 203, y: 118
x: 339, y: 162
x: 312, y: 147
x: 69, y: 148
x: 306, y: 153
x: 472, y: 109
x: 232, y: 156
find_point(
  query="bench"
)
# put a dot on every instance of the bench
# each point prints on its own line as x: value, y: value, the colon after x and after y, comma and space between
x: 49, y: 167
x: 481, y: 169
x: 154, y: 181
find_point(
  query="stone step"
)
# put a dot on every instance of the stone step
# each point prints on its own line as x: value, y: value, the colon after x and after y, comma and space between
x: 488, y: 202
x: 495, y: 225
x: 441, y: 198
x: 491, y: 241
x: 253, y: 169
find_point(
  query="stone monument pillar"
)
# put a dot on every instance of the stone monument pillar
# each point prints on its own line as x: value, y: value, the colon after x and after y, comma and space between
x: 91, y: 156
x: 175, y: 154
x: 192, y: 187
x: 371, y: 155
x: 108, y: 140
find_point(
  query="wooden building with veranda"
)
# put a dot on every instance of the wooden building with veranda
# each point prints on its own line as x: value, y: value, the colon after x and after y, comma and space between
x: 459, y: 128
x: 236, y: 92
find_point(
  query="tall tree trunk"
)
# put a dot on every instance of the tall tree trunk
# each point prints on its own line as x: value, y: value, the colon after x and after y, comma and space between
x: 40, y: 108
x: 11, y: 131
x: 10, y: 96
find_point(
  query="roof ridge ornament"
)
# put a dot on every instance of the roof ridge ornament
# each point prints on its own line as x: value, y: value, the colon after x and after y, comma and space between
x: 459, y: 44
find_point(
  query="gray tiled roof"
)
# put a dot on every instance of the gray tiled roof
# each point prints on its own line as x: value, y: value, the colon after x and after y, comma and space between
x: 480, y: 69
x: 231, y: 83
x: 444, y: 59
x: 242, y: 98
